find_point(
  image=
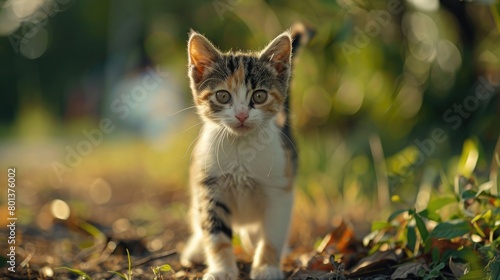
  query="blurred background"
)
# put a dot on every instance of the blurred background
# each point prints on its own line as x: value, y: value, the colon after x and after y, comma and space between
x: 391, y: 100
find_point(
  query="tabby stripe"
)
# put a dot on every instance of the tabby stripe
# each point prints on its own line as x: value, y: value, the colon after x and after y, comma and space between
x: 215, y: 225
x: 249, y: 79
x: 222, y: 205
x: 209, y: 181
x: 214, y: 107
x: 252, y: 104
x: 276, y: 96
x: 231, y: 64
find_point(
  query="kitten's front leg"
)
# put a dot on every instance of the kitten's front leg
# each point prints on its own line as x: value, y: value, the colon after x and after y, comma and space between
x: 217, y: 236
x: 267, y: 258
x: 220, y: 258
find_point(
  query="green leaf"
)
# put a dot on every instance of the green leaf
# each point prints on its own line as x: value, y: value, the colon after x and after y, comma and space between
x: 434, y: 216
x: 436, y: 204
x: 484, y: 187
x: 468, y: 158
x: 450, y: 229
x: 424, y: 213
x: 82, y: 274
x: 474, y: 275
x: 495, y: 269
x: 437, y: 269
x: 467, y: 254
x: 411, y: 235
x: 421, y: 227
x: 378, y: 225
x: 129, y: 266
x: 468, y: 194
x: 486, y: 216
x: 165, y: 268
x: 435, y: 254
x: 395, y: 214
x: 119, y: 274
x: 92, y: 230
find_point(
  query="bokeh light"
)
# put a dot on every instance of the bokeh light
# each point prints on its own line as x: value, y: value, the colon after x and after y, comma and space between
x: 60, y: 209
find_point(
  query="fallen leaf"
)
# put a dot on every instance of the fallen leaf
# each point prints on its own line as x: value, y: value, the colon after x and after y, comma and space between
x: 320, y: 262
x: 458, y: 269
x: 377, y: 257
x: 444, y: 245
x: 340, y: 239
x: 405, y: 270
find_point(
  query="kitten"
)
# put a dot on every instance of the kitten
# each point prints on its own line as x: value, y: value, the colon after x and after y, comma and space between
x: 244, y: 162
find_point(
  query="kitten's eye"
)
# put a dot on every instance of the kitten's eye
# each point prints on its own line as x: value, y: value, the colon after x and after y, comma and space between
x: 259, y: 97
x: 223, y: 96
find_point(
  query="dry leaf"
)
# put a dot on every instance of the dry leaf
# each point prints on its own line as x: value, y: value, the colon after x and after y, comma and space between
x: 458, y: 269
x: 340, y: 239
x: 320, y: 262
x: 379, y: 257
x: 407, y: 269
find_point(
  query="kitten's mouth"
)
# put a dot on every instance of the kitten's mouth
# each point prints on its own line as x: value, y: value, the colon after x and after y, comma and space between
x: 241, y: 128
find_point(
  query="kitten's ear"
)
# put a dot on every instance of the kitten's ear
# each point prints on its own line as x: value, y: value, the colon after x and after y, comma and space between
x: 278, y: 52
x: 202, y: 54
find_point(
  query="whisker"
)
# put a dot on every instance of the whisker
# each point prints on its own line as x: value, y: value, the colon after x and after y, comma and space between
x: 290, y: 141
x: 187, y: 150
x: 210, y: 148
x: 210, y: 79
x: 272, y: 164
x: 217, y: 150
x: 192, y: 127
x: 188, y: 108
x: 226, y: 133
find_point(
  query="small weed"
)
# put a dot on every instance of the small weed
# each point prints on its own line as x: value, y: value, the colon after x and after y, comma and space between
x: 129, y: 275
x: 159, y: 269
x: 461, y: 222
x: 83, y: 275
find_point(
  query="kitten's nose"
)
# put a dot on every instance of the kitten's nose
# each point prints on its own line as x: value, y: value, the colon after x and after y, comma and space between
x: 242, y: 116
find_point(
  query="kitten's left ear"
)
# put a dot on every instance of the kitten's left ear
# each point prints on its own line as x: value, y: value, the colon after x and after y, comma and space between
x: 278, y: 52
x: 202, y: 54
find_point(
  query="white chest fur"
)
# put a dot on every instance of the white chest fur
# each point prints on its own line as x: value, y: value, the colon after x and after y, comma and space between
x: 256, y: 157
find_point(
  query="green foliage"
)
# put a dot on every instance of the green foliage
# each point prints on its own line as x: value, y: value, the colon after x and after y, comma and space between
x: 129, y: 275
x: 83, y: 275
x: 159, y: 269
x: 460, y: 224
x: 156, y: 271
x: 450, y: 230
x: 119, y: 274
x: 474, y: 275
x: 433, y: 273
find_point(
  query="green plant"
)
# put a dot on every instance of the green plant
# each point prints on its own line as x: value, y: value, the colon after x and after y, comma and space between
x: 159, y: 269
x: 121, y: 275
x: 461, y: 222
x: 83, y: 275
x: 433, y: 273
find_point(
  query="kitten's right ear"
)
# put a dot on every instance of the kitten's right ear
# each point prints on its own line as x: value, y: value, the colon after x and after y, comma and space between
x: 202, y: 54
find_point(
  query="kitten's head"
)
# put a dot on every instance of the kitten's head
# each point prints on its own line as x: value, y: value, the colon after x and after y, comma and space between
x: 239, y: 91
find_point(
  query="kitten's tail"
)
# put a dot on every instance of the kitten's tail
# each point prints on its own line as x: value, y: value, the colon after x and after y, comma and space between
x: 301, y: 35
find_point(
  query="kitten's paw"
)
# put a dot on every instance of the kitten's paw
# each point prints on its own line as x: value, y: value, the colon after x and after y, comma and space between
x: 190, y: 258
x: 193, y: 254
x: 267, y: 272
x: 191, y: 261
x: 221, y: 275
